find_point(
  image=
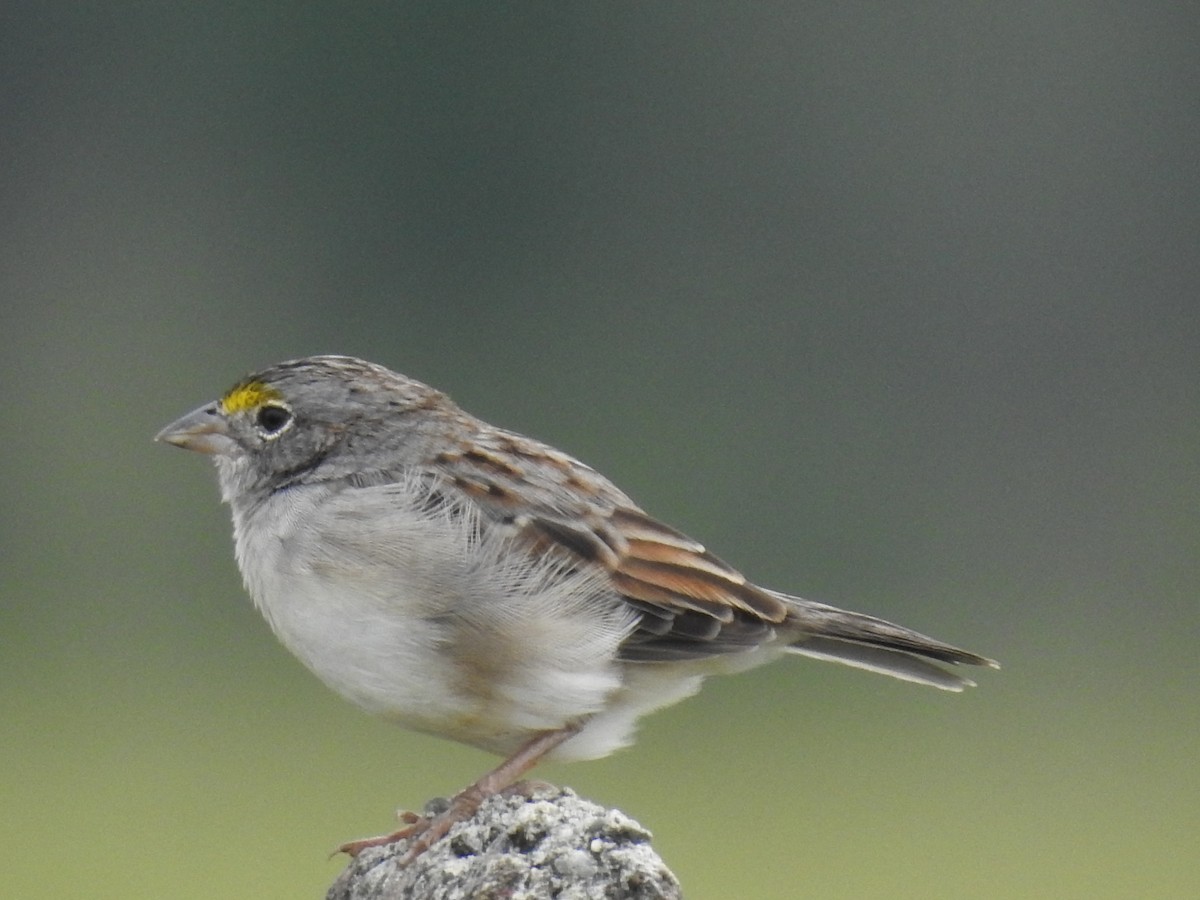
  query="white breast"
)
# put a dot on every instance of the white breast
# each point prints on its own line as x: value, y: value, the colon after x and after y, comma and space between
x: 409, y: 610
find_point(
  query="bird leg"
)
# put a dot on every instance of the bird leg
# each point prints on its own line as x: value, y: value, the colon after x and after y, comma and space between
x: 426, y: 831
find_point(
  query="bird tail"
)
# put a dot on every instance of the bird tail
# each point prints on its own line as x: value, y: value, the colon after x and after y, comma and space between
x: 865, y: 642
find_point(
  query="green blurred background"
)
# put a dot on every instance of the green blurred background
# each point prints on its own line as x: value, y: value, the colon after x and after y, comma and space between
x: 893, y: 305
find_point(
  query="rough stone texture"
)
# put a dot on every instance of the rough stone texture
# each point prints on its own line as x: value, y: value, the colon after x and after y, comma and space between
x: 522, y: 845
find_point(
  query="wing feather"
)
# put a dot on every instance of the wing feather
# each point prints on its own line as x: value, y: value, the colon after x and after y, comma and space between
x: 693, y: 605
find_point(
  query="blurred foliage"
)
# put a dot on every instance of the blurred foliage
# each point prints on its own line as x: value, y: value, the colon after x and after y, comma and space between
x: 893, y: 306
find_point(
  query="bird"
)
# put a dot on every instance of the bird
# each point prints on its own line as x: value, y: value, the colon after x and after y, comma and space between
x: 472, y: 583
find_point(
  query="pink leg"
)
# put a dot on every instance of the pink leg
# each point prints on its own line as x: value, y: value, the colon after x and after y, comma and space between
x: 426, y: 832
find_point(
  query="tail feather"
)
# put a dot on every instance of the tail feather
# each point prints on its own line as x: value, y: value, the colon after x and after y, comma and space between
x: 866, y: 642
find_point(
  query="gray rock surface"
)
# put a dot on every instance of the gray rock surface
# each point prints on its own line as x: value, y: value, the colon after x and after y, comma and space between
x: 529, y: 844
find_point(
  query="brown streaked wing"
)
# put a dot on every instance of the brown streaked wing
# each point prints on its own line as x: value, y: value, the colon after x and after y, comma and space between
x: 570, y: 507
x: 661, y: 560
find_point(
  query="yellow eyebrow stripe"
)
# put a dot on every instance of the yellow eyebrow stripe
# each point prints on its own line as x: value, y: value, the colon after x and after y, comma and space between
x: 247, y: 396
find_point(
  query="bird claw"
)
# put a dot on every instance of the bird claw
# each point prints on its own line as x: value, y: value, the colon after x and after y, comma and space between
x: 425, y: 831
x: 413, y: 825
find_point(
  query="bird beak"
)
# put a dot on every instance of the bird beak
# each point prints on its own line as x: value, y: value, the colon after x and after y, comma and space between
x: 203, y: 430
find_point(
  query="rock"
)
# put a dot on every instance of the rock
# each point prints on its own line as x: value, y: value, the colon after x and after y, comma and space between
x: 529, y: 842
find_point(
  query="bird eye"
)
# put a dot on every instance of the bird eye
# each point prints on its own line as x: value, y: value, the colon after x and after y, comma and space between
x: 272, y: 418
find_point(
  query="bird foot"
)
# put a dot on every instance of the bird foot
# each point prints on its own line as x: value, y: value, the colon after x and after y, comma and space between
x: 413, y: 824
x: 425, y: 831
